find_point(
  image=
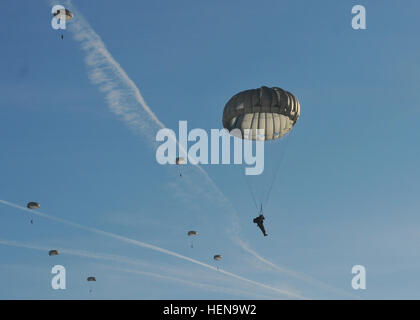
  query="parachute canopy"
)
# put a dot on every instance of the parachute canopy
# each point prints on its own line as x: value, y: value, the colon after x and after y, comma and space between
x: 91, y: 279
x: 180, y: 161
x: 192, y: 233
x: 33, y: 205
x: 217, y: 257
x: 53, y: 253
x: 63, y: 14
x: 273, y: 111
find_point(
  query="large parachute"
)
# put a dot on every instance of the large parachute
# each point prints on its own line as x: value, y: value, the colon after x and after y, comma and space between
x: 267, y: 115
x: 273, y: 111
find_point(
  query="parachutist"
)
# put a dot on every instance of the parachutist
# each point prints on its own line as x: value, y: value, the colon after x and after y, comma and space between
x: 192, y: 233
x: 260, y: 222
x: 179, y: 162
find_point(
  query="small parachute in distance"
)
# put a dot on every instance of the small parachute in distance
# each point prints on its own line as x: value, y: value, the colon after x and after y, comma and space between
x: 53, y: 253
x: 91, y: 279
x: 33, y: 205
x: 180, y: 161
x: 192, y: 233
x: 63, y: 14
x: 217, y: 257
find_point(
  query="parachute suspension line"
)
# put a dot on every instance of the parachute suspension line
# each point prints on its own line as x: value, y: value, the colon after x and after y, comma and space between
x: 276, y: 171
x: 267, y: 195
x: 252, y: 193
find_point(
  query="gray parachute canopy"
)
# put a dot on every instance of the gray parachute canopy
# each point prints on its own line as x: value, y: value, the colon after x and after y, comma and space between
x: 91, y: 279
x: 33, y: 205
x: 180, y: 161
x: 217, y: 257
x: 272, y: 110
x: 63, y: 14
x: 53, y: 253
x: 192, y: 233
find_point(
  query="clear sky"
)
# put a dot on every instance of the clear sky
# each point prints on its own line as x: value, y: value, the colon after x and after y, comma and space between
x: 347, y: 189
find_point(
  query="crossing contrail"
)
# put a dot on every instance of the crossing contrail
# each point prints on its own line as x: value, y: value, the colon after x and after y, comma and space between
x: 151, y: 247
x: 122, y: 259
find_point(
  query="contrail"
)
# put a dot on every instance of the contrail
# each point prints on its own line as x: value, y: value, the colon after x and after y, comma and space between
x: 297, y: 275
x: 122, y: 259
x: 151, y: 247
x: 195, y: 284
x: 124, y: 97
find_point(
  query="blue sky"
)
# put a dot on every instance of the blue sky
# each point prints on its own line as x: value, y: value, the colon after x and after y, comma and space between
x: 347, y: 189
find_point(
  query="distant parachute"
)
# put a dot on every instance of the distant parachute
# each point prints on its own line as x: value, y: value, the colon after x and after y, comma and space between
x: 33, y: 205
x: 192, y: 233
x: 63, y: 14
x: 53, y: 253
x: 217, y: 258
x: 273, y: 111
x: 180, y: 161
x: 91, y: 279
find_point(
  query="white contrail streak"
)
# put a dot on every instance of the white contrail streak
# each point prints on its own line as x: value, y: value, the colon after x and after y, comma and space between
x: 124, y: 99
x: 122, y: 259
x: 151, y: 247
x: 195, y: 284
